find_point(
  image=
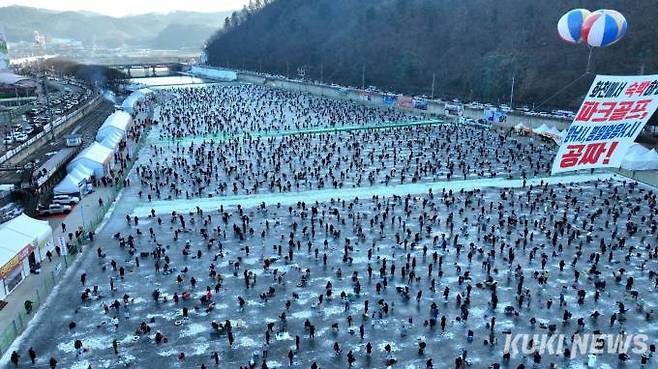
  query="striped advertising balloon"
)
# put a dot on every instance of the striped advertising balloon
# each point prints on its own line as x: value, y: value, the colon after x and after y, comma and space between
x: 571, y: 24
x: 604, y: 27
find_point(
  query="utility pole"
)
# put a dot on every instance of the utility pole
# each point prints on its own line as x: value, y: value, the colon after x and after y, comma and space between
x: 9, y: 121
x: 18, y: 99
x: 511, y: 95
x: 433, y: 80
x: 44, y: 89
x: 288, y: 70
x: 50, y: 109
x: 321, y: 73
x: 363, y: 77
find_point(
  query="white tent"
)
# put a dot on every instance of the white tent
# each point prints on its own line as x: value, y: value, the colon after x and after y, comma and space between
x: 83, y: 171
x: 96, y: 157
x: 39, y: 230
x: 112, y: 141
x: 116, y: 124
x: 553, y: 131
x: 71, y: 184
x: 651, y: 160
x: 130, y: 101
x: 541, y: 129
x: 74, y: 182
x: 640, y: 158
x: 21, y: 237
x: 15, y: 247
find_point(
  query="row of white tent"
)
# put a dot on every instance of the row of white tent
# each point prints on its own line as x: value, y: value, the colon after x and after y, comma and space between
x: 543, y: 130
x: 134, y: 98
x: 637, y: 157
x: 98, y: 158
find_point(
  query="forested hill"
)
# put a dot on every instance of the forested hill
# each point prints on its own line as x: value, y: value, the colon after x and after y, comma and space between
x: 175, y: 30
x: 474, y: 47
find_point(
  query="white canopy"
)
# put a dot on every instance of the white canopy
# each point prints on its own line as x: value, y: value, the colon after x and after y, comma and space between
x: 541, y: 129
x: 554, y: 131
x: 636, y: 150
x: 112, y: 141
x: 640, y: 158
x: 520, y: 127
x: 75, y: 181
x: 12, y: 244
x: 96, y: 157
x: 20, y: 232
x: 39, y: 230
x: 69, y: 185
x: 83, y: 172
x: 130, y: 101
x: 117, y: 123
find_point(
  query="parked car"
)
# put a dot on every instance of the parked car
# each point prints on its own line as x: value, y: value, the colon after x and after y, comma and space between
x: 53, y: 209
x: 10, y: 211
x: 8, y: 140
x: 20, y: 137
x: 66, y: 200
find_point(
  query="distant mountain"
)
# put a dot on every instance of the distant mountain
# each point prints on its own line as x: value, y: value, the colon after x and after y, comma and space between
x: 472, y: 47
x: 180, y: 36
x: 175, y: 29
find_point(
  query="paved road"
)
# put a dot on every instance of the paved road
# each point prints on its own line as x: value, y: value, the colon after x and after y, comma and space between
x: 87, y: 126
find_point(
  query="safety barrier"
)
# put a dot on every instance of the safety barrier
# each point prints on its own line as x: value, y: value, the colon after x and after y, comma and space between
x: 37, y: 298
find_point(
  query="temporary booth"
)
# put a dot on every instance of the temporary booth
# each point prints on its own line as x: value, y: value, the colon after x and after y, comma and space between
x: 541, y: 129
x: 83, y: 171
x: 116, y: 124
x: 554, y: 134
x: 129, y: 103
x: 112, y: 141
x: 96, y: 157
x: 640, y: 158
x: 522, y: 128
x: 76, y: 182
x: 71, y: 184
x: 25, y: 242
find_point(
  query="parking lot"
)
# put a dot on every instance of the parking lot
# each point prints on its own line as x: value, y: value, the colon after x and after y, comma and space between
x: 65, y: 99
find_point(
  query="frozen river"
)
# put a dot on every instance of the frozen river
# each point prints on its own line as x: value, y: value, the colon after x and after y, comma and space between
x: 318, y: 276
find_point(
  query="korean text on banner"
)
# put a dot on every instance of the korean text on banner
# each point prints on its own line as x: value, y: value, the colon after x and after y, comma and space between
x: 614, y: 112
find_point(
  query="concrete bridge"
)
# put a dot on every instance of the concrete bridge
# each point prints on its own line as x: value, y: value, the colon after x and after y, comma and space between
x: 148, y: 68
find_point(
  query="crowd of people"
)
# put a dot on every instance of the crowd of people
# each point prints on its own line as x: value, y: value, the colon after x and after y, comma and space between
x: 429, y: 280
x: 369, y: 157
x: 218, y: 110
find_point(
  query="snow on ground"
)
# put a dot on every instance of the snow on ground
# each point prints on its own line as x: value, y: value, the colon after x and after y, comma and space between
x: 209, y: 204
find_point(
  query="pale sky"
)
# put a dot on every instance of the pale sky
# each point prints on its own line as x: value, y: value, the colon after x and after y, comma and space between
x: 118, y: 8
